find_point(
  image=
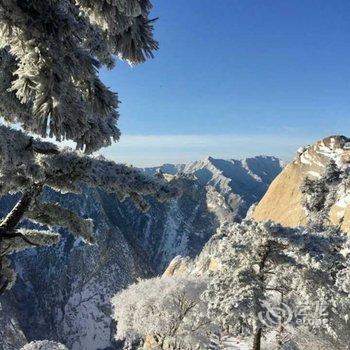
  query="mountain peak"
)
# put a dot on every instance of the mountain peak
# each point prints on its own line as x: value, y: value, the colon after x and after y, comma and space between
x: 209, y: 158
x: 282, y: 202
x: 316, y: 156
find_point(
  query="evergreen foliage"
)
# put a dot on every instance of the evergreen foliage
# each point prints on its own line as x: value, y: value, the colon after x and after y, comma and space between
x: 320, y: 194
x: 266, y: 264
x: 50, y: 54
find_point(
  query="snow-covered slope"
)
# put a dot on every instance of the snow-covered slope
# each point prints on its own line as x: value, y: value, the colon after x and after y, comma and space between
x: 63, y: 292
x: 241, y: 182
x: 167, y: 168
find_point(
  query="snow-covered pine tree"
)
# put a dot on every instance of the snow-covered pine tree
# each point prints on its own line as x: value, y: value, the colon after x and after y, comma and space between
x: 266, y: 264
x: 320, y: 194
x: 332, y: 173
x: 50, y: 53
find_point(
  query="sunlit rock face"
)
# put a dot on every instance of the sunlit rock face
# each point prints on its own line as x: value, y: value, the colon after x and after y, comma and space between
x: 63, y: 292
x: 282, y: 202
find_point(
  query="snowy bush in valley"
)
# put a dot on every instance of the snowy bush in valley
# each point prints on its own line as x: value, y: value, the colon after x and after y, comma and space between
x: 50, y: 53
x: 44, y: 345
x: 274, y: 277
x: 168, y: 309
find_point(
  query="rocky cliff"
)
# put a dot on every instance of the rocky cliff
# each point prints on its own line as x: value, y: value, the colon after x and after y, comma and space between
x: 62, y: 292
x: 282, y: 202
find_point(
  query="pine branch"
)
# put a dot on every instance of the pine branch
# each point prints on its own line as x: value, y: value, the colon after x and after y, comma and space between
x: 16, y: 214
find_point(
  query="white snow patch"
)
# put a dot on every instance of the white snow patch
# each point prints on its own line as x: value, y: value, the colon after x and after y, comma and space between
x: 230, y: 343
x: 332, y: 153
x: 306, y: 159
x: 314, y: 174
x: 343, y: 202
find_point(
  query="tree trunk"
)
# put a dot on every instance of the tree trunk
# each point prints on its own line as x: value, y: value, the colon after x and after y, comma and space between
x: 3, y: 282
x: 281, y: 327
x: 279, y: 338
x: 262, y: 265
x: 257, y: 340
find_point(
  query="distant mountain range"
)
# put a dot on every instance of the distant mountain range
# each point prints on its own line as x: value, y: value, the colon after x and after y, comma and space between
x: 63, y: 292
x: 241, y: 182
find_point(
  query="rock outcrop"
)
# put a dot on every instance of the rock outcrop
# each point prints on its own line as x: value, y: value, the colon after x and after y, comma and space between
x: 282, y: 202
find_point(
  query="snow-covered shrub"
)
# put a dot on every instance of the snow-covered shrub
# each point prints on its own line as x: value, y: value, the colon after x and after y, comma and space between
x: 44, y: 345
x: 167, y: 309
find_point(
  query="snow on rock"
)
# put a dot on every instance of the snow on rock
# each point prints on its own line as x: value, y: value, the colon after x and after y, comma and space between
x: 282, y: 202
x: 241, y: 182
x: 44, y: 345
x: 231, y: 343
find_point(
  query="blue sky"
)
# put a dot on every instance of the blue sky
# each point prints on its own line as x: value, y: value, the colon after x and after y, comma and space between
x: 235, y: 78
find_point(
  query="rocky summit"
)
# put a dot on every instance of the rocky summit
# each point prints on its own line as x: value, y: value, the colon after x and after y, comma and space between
x: 282, y: 202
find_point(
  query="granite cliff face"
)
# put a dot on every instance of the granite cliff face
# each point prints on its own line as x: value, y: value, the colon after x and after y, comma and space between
x: 282, y: 202
x: 63, y: 292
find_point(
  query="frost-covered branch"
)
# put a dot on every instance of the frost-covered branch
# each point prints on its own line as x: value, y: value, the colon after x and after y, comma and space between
x: 24, y: 239
x: 20, y: 239
x: 22, y: 166
x: 50, y: 53
x: 28, y: 164
x: 52, y: 214
x: 131, y: 39
x: 16, y: 214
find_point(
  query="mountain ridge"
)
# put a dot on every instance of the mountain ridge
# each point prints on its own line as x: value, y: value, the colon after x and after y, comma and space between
x: 242, y: 182
x: 73, y: 307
